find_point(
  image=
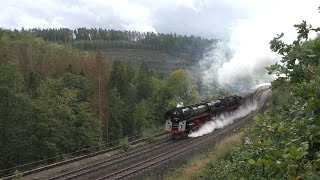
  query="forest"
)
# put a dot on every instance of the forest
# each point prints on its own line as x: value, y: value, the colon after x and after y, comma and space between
x: 56, y: 99
x: 93, y: 39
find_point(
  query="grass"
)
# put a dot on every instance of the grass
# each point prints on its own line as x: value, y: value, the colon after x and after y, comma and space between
x: 218, y: 151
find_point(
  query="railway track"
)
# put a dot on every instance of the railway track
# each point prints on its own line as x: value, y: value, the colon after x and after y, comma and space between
x: 85, y: 156
x: 156, y: 160
x: 61, y: 163
x: 85, y: 171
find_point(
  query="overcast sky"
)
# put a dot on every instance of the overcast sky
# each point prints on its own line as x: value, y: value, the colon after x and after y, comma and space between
x: 206, y: 18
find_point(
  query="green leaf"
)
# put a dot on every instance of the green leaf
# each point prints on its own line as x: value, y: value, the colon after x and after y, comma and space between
x: 294, y: 152
x: 312, y: 104
x: 251, y: 161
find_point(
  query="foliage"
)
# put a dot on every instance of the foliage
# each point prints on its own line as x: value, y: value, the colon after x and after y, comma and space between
x: 116, y: 117
x: 11, y: 77
x: 122, y: 78
x: 284, y: 142
x: 141, y: 116
x: 124, y: 143
x: 77, y: 81
x: 17, y: 175
x: 181, y: 85
x: 15, y: 116
x: 143, y: 81
x: 53, y: 123
x: 151, y: 139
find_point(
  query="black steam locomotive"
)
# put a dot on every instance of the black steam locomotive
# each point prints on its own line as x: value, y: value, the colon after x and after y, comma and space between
x: 184, y: 120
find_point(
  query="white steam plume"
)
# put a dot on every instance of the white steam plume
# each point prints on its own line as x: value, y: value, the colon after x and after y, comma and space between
x: 213, y: 60
x: 250, y: 41
x: 224, y: 120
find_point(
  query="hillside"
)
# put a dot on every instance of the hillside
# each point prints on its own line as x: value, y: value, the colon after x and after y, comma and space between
x: 159, y: 61
x: 163, y: 52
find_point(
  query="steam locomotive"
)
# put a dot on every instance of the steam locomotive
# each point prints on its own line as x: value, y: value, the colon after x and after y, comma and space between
x: 183, y: 120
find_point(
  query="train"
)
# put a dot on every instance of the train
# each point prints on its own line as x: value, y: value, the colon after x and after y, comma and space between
x: 181, y: 121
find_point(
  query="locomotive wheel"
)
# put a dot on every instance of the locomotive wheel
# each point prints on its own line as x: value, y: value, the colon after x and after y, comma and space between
x: 179, y: 136
x: 197, y: 125
x: 176, y: 136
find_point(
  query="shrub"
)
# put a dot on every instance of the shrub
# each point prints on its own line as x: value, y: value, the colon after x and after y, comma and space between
x: 124, y: 143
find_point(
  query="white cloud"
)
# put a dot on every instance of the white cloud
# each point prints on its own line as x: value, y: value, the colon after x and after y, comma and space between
x: 118, y: 14
x: 192, y: 17
x: 140, y: 27
x: 195, y: 5
x: 197, y: 17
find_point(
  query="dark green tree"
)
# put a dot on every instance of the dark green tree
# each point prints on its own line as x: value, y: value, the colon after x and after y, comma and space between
x: 78, y: 82
x: 142, y: 117
x: 16, y: 116
x: 122, y: 78
x: 11, y: 77
x: 69, y: 124
x: 143, y: 82
x: 115, y: 115
x: 181, y: 86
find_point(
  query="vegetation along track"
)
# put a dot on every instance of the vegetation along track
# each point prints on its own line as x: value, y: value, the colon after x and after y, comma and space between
x: 165, y: 156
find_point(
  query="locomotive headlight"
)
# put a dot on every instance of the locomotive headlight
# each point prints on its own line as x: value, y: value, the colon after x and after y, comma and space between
x: 180, y: 127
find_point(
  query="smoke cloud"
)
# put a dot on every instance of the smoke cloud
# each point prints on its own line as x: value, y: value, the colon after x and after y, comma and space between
x: 250, y: 39
x: 249, y: 42
x: 213, y: 60
x: 225, y: 120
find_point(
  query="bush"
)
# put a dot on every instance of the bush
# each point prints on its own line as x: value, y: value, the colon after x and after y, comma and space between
x: 125, y: 145
x: 17, y: 175
x: 151, y: 139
